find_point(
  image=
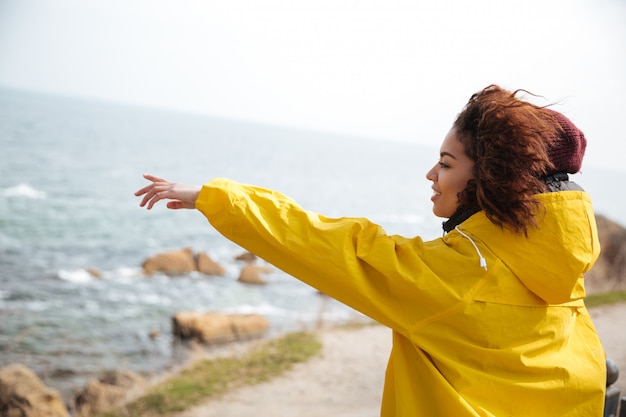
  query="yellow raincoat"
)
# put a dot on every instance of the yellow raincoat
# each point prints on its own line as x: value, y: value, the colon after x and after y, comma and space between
x: 485, y: 322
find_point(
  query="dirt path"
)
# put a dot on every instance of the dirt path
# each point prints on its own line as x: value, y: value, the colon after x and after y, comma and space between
x: 346, y: 380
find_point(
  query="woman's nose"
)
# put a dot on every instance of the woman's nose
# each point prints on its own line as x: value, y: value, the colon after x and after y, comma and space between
x: 432, y: 174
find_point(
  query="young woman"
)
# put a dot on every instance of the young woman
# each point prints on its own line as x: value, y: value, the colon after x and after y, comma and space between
x: 488, y: 320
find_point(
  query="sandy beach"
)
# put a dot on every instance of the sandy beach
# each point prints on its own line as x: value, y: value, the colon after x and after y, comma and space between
x: 346, y: 379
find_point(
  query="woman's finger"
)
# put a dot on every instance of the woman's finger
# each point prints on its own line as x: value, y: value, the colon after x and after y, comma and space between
x: 153, y: 178
x: 144, y: 190
x: 176, y: 205
x: 157, y: 194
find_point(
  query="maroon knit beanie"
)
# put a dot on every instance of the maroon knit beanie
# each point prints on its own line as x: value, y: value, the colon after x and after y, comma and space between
x: 566, y: 151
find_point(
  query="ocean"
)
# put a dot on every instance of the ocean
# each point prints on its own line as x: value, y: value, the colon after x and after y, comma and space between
x: 68, y: 171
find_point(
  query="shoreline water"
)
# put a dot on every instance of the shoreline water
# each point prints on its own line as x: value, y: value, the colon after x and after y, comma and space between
x: 68, y: 376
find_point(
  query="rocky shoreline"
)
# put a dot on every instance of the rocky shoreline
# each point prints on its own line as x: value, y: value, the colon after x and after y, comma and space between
x: 21, y: 389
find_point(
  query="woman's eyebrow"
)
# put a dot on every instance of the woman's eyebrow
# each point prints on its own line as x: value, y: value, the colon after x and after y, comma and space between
x: 442, y: 154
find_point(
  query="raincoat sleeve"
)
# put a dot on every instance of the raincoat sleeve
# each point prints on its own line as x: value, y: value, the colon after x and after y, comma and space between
x: 349, y: 259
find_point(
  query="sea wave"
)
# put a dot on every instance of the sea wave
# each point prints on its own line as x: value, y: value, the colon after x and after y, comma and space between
x: 84, y: 275
x: 263, y: 309
x: 75, y: 275
x: 23, y: 190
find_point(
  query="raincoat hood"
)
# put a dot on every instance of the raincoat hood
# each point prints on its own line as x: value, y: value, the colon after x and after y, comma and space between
x: 551, y: 260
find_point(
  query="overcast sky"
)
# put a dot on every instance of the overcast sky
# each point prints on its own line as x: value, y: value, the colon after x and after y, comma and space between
x: 387, y: 69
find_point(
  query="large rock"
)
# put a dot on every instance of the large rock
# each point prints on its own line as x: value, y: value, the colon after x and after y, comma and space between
x: 609, y: 271
x: 22, y: 394
x: 172, y: 263
x: 248, y: 326
x: 213, y: 327
x: 205, y: 327
x: 182, y: 262
x: 113, y: 389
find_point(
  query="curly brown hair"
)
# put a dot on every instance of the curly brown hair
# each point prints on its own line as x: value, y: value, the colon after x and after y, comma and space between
x: 507, y: 139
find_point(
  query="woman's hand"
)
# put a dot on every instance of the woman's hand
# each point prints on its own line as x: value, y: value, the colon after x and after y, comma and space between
x: 181, y: 195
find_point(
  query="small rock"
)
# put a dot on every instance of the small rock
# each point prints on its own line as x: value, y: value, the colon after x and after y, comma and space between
x: 246, y: 257
x: 96, y: 273
x: 251, y: 274
x: 208, y: 266
x: 112, y: 390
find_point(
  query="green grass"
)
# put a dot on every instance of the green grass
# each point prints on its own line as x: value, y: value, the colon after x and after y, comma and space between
x: 606, y: 298
x: 213, y: 377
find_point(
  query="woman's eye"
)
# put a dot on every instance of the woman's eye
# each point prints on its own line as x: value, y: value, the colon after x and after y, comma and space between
x: 443, y: 164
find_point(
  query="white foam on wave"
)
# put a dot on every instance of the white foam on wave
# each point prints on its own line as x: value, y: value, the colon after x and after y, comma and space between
x: 128, y: 272
x: 23, y: 190
x: 84, y: 275
x: 77, y: 276
x: 263, y: 309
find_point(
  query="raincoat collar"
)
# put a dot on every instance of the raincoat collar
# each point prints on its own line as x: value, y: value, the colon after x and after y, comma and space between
x: 457, y: 218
